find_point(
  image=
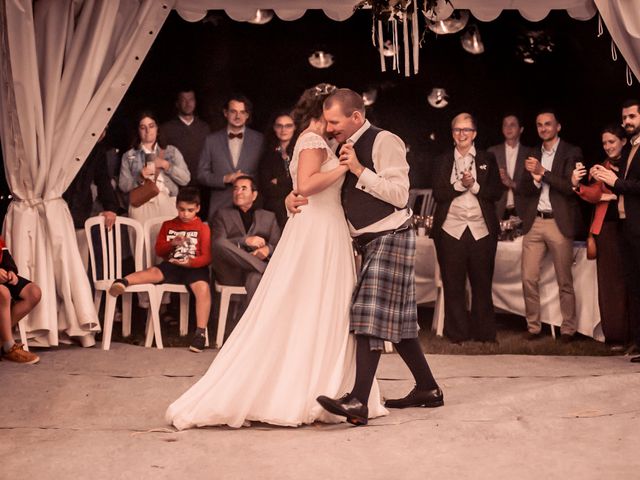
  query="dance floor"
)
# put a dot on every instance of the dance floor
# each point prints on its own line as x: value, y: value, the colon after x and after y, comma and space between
x: 85, y: 413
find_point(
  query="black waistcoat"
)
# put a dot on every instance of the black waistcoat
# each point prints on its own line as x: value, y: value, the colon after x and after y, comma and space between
x: 361, y: 208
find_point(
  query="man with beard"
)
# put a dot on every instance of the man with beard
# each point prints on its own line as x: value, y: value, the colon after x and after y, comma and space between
x: 627, y: 187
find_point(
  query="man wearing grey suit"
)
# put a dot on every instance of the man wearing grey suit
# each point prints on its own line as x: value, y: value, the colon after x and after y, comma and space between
x: 243, y: 239
x: 510, y: 156
x: 229, y: 153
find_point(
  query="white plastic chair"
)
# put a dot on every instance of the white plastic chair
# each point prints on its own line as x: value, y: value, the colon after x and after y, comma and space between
x: 225, y: 292
x: 437, y: 323
x: 112, y: 258
x: 23, y: 334
x: 427, y: 202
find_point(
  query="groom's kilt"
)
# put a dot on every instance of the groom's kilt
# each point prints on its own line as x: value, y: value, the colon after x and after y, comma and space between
x: 383, y: 305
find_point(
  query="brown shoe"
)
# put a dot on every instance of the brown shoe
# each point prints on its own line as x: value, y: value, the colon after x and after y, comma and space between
x: 19, y: 355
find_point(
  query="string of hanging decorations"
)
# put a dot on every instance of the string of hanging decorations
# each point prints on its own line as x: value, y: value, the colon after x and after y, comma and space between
x: 439, y: 16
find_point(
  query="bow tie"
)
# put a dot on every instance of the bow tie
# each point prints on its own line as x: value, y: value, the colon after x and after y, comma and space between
x: 235, y: 135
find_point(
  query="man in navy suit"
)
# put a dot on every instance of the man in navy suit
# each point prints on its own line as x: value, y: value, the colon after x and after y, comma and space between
x: 229, y: 153
x: 626, y: 185
x: 510, y: 156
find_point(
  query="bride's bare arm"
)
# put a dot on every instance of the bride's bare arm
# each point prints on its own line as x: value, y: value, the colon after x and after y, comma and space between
x: 310, y: 179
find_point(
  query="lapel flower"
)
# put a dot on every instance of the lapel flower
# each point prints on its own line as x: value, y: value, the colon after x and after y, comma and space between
x: 483, y: 166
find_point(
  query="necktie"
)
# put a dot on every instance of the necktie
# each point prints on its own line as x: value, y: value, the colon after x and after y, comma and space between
x: 235, y: 135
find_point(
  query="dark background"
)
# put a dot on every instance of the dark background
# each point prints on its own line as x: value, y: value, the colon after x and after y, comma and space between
x: 268, y: 63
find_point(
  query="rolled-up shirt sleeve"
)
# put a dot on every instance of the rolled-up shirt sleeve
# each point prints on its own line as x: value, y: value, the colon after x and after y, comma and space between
x: 390, y: 181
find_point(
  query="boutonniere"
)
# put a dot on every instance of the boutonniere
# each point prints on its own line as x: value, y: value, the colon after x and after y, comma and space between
x: 483, y: 166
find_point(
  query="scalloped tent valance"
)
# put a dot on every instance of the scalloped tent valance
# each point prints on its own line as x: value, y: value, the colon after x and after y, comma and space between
x: 484, y: 10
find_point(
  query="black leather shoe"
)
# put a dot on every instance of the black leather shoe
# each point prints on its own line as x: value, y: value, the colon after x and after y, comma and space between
x: 635, y: 359
x: 418, y: 398
x: 356, y: 412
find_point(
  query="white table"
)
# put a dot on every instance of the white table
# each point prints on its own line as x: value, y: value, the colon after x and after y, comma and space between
x: 507, y: 284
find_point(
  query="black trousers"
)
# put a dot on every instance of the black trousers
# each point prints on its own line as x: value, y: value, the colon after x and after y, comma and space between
x: 630, y: 247
x: 475, y: 259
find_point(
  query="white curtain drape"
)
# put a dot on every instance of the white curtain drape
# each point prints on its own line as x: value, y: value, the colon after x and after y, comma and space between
x: 65, y: 66
x: 622, y: 18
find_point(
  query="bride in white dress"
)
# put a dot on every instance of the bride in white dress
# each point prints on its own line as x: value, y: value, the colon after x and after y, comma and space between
x: 292, y: 344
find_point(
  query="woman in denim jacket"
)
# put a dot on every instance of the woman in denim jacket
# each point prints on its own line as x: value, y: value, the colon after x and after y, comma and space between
x: 147, y: 160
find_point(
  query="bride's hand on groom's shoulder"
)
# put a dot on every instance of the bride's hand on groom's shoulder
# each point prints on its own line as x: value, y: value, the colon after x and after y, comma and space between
x: 294, y: 201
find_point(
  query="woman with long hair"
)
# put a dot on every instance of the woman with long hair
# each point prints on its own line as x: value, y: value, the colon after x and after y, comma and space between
x: 612, y: 294
x: 292, y: 344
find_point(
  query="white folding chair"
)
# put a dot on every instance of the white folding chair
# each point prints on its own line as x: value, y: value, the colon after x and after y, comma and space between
x: 425, y: 196
x: 437, y: 323
x: 112, y: 259
x: 225, y: 292
x: 151, y: 229
x: 23, y: 334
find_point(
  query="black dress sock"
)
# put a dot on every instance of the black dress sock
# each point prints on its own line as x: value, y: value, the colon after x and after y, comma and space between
x: 366, y: 366
x: 410, y: 351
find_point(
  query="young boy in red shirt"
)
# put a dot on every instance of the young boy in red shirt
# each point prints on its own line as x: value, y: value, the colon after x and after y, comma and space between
x: 185, y: 245
x: 18, y: 296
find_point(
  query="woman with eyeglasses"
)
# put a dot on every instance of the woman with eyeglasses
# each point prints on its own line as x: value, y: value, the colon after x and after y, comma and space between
x: 274, y: 177
x: 466, y: 187
x: 605, y: 228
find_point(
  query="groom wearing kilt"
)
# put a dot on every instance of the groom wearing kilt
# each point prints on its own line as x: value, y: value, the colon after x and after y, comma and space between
x: 374, y: 197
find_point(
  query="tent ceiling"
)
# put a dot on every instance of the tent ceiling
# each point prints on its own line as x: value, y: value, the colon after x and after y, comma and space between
x: 485, y: 10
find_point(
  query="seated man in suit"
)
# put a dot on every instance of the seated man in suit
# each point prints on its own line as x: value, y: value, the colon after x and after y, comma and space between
x: 244, y: 237
x: 510, y: 156
x: 229, y: 153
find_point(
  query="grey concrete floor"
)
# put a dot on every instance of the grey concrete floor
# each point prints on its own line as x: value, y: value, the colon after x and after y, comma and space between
x: 86, y: 413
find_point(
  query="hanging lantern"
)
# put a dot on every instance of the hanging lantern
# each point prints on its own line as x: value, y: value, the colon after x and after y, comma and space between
x: 261, y: 17
x: 438, y: 98
x: 471, y: 41
x: 456, y: 22
x: 369, y: 97
x: 438, y: 10
x: 320, y: 59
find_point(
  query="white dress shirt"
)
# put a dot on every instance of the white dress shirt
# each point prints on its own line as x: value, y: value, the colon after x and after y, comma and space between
x: 511, y: 155
x: 465, y: 210
x: 390, y: 181
x: 235, y: 146
x: 544, y: 204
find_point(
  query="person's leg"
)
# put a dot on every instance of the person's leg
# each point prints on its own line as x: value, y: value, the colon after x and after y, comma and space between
x: 366, y: 365
x: 480, y: 268
x: 30, y: 296
x: 6, y: 333
x: 452, y: 258
x: 411, y: 353
x: 150, y: 275
x: 534, y: 249
x: 202, y: 294
x: 561, y: 249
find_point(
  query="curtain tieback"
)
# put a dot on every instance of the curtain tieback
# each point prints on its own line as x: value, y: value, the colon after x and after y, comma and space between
x: 35, y: 202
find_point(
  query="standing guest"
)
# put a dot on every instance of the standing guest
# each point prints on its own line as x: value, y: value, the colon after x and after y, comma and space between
x: 79, y: 196
x: 229, y: 153
x: 466, y: 186
x: 185, y: 245
x: 626, y: 185
x: 147, y: 159
x: 188, y: 132
x: 275, y: 179
x: 18, y: 296
x: 550, y: 220
x: 612, y: 294
x: 510, y: 156
x: 244, y: 238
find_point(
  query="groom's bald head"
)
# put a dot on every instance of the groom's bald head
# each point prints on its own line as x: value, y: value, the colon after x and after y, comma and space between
x: 344, y: 113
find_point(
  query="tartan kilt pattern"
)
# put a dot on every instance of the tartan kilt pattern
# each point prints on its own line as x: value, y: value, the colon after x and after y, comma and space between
x: 383, y: 305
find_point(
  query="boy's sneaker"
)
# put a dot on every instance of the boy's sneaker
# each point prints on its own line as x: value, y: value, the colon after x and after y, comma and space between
x: 19, y: 355
x: 118, y: 287
x: 197, y: 343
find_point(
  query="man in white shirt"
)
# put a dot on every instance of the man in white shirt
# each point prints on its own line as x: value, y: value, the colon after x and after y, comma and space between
x: 510, y: 156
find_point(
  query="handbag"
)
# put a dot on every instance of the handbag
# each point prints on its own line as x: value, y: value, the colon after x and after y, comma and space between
x: 142, y: 194
x: 592, y: 251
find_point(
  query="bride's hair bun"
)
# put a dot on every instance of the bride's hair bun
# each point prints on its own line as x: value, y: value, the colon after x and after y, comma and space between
x: 309, y: 105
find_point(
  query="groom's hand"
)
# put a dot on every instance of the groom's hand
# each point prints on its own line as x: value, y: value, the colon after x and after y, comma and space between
x: 349, y: 159
x: 294, y: 201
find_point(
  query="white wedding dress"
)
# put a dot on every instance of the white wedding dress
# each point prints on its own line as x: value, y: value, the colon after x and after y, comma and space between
x: 292, y: 344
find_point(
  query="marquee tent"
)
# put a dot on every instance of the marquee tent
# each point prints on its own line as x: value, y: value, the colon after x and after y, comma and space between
x: 64, y: 67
